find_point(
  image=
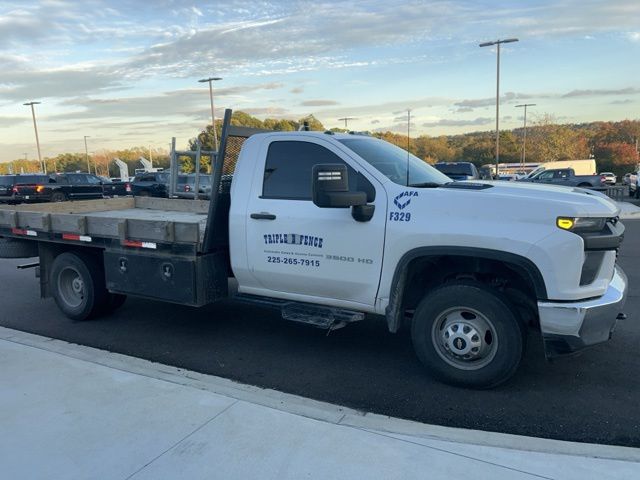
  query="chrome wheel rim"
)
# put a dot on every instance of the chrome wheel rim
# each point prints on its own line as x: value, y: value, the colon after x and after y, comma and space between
x: 71, y: 287
x: 464, y: 338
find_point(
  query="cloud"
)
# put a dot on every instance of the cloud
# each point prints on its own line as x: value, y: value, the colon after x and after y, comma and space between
x: 192, y: 102
x: 601, y: 92
x: 634, y: 36
x: 296, y: 90
x: 375, y: 121
x: 318, y: 103
x: 267, y: 111
x: 11, y: 121
x: 451, y: 122
x: 626, y: 101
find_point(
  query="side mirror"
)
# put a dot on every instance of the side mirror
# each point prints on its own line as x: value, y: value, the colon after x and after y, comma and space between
x: 330, y: 187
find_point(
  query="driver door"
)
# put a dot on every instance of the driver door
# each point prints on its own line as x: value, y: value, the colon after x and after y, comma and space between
x: 295, y: 247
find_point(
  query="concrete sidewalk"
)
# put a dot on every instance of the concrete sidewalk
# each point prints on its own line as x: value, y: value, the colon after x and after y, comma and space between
x: 68, y: 411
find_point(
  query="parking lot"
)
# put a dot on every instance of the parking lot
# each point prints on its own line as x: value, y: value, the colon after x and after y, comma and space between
x: 588, y: 398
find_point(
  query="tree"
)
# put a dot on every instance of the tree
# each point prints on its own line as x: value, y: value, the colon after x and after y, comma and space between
x: 548, y: 141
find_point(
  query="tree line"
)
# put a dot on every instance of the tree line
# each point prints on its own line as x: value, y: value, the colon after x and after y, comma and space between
x: 612, y: 144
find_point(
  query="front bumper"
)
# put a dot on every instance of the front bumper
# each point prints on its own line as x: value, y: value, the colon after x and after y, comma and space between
x: 571, y: 326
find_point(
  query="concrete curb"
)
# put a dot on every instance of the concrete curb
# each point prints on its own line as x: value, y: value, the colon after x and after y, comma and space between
x: 314, y: 409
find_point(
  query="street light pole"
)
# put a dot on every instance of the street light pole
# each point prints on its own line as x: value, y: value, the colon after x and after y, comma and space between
x: 210, y: 81
x: 35, y: 127
x: 497, y: 43
x: 524, y: 137
x: 345, y: 120
x: 86, y: 153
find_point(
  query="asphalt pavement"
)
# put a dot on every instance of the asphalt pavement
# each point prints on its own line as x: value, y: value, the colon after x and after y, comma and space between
x: 592, y: 397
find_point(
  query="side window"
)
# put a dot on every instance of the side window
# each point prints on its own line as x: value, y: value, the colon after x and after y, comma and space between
x: 92, y: 179
x: 546, y: 175
x: 287, y: 172
x: 74, y: 179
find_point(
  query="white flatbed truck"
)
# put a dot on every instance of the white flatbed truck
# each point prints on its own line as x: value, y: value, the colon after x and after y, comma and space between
x: 336, y: 228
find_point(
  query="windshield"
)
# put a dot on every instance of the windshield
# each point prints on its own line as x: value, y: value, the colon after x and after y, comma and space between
x: 391, y: 161
x: 454, y: 168
x: 535, y: 172
x: 7, y: 181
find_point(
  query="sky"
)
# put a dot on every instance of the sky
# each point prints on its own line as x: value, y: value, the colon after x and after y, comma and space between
x: 126, y: 72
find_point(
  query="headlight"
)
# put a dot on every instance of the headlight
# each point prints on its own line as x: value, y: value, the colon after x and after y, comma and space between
x: 581, y: 224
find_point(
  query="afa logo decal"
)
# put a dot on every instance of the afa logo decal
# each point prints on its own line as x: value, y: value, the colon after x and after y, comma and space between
x: 404, y: 199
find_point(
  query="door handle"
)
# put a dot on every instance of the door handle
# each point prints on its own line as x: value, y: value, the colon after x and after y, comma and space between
x: 263, y: 216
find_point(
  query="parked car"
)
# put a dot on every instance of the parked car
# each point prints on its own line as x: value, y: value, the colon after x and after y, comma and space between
x: 151, y: 184
x: 115, y: 187
x: 610, y: 178
x: 567, y: 177
x: 33, y: 188
x: 634, y: 184
x: 21, y: 188
x: 186, y: 184
x: 458, y: 170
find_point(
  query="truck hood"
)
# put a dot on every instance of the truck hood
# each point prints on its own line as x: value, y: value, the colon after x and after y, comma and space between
x: 494, y: 201
x: 557, y: 200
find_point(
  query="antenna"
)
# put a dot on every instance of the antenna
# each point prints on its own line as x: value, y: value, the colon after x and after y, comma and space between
x: 408, y: 140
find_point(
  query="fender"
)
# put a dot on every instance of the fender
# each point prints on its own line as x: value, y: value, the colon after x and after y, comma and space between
x: 521, y: 265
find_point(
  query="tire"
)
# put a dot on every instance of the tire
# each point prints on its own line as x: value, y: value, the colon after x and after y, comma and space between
x: 12, y: 248
x: 584, y: 185
x: 637, y: 194
x: 143, y: 193
x: 78, y: 286
x: 468, y: 335
x: 58, y: 197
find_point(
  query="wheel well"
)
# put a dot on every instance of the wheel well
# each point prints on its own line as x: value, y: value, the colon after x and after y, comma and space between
x: 48, y: 251
x: 425, y: 273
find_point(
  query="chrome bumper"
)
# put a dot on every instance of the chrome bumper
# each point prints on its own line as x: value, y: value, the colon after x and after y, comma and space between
x: 571, y: 326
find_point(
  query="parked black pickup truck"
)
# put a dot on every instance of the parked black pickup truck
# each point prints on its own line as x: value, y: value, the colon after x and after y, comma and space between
x: 51, y: 188
x: 115, y: 188
x: 567, y: 177
x: 151, y: 184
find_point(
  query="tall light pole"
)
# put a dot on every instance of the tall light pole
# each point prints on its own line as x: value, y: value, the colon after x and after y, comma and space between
x: 497, y: 43
x: 35, y: 127
x: 524, y: 137
x: 345, y: 120
x: 86, y: 153
x: 408, y: 140
x: 210, y: 81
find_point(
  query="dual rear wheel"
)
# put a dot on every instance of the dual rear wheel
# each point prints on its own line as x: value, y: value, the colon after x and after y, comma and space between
x: 78, y: 287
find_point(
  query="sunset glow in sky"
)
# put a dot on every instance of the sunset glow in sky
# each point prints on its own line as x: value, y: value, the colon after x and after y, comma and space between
x: 125, y: 72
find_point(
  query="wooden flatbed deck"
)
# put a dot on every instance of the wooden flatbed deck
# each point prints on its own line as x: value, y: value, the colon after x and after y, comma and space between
x: 130, y: 218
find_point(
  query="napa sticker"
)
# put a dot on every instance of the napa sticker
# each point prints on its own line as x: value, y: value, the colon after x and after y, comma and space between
x: 402, y: 201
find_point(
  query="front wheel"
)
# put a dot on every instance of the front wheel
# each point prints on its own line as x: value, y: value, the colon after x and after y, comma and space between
x: 468, y: 335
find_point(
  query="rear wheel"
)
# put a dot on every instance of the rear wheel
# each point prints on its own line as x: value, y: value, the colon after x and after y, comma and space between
x: 468, y: 335
x: 143, y: 193
x: 78, y: 286
x: 584, y: 185
x: 58, y: 197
